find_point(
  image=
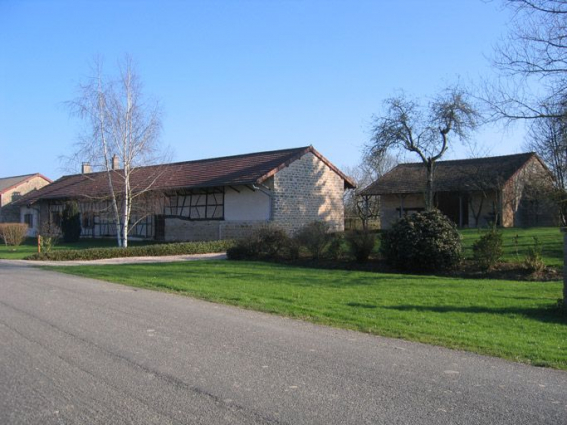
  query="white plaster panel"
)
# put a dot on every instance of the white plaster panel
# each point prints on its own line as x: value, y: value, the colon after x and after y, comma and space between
x: 246, y: 205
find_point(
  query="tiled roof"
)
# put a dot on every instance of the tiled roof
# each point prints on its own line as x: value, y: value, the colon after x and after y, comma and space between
x: 455, y: 175
x: 9, y: 182
x: 246, y: 169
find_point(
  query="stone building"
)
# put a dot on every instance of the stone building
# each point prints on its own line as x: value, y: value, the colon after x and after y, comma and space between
x: 510, y: 190
x: 14, y: 188
x: 217, y: 198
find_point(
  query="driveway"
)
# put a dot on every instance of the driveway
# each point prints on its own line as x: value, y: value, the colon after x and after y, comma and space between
x: 78, y: 351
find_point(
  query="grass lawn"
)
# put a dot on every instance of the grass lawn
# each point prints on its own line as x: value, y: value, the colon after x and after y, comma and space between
x: 513, y: 320
x: 550, y: 238
x: 29, y: 247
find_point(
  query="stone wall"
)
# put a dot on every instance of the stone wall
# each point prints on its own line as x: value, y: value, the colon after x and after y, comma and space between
x: 305, y: 191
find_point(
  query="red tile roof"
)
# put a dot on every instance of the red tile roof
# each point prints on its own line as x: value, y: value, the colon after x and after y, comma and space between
x: 248, y: 169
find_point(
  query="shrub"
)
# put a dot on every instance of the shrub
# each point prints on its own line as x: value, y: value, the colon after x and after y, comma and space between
x: 292, y: 249
x: 487, y: 251
x: 533, y: 261
x: 13, y: 233
x: 264, y: 243
x: 272, y: 241
x: 185, y: 248
x: 314, y: 236
x: 426, y: 241
x: 71, y: 223
x: 361, y: 243
x: 335, y: 250
x: 49, y: 236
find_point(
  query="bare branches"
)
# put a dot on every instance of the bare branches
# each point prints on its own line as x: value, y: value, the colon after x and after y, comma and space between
x: 119, y: 123
x: 532, y: 61
x: 406, y: 125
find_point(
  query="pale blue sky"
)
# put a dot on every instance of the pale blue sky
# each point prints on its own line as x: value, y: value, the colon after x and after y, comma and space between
x: 238, y: 76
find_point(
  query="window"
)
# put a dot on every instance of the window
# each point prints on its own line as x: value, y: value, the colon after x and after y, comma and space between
x: 28, y: 219
x: 199, y: 205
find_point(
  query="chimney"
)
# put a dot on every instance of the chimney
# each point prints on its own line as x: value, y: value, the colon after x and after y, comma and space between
x: 115, y: 162
x: 86, y: 168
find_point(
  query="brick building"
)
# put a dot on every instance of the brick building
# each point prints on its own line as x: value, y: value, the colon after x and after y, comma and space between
x: 217, y: 198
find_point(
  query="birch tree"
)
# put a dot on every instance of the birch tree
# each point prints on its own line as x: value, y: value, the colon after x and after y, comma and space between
x: 120, y: 125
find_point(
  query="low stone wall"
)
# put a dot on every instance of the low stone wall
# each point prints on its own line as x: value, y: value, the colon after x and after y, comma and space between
x: 208, y: 230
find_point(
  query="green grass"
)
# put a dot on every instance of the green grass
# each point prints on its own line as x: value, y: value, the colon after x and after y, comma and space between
x: 513, y: 320
x: 29, y: 247
x: 550, y: 238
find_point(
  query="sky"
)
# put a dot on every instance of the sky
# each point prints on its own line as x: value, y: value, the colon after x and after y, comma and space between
x: 240, y: 76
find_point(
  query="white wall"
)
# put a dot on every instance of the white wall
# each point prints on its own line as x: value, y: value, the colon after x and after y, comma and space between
x: 246, y: 205
x: 32, y: 231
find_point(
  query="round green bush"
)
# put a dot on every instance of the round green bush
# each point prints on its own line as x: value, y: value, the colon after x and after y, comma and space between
x: 426, y: 241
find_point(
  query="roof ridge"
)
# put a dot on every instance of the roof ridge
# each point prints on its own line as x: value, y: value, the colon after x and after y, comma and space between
x: 202, y: 160
x: 473, y: 159
x: 22, y: 175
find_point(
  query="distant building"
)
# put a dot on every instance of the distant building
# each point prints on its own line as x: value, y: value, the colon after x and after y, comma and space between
x: 217, y: 198
x: 14, y: 188
x: 511, y: 190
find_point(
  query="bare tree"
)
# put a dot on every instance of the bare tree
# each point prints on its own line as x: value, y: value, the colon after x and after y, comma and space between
x: 532, y: 62
x: 368, y: 171
x: 548, y: 138
x: 121, y: 134
x: 425, y: 130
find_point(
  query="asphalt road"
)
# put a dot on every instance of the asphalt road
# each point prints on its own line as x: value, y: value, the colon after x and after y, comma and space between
x: 80, y: 351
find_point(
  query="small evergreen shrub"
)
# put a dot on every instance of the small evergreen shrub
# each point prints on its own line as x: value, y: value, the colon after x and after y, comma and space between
x: 315, y: 237
x: 13, y: 234
x: 361, y: 243
x: 487, y: 250
x: 185, y: 248
x: 533, y: 261
x: 426, y: 241
x: 71, y: 223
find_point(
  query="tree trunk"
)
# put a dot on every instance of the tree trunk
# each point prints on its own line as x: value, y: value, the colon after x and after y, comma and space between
x: 429, y: 195
x: 564, y: 230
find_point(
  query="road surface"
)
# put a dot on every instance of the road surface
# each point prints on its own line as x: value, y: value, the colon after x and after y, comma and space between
x: 81, y: 351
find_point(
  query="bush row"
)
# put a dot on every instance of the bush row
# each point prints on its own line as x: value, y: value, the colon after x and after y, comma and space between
x: 272, y: 242
x: 426, y: 241
x: 185, y: 248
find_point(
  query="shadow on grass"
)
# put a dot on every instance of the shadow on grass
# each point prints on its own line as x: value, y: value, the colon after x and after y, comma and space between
x: 361, y: 305
x: 548, y: 314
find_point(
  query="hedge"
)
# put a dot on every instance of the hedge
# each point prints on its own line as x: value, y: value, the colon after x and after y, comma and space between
x: 185, y: 248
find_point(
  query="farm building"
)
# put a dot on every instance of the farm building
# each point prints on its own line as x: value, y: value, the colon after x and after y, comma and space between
x: 217, y: 198
x: 14, y: 188
x: 511, y: 190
